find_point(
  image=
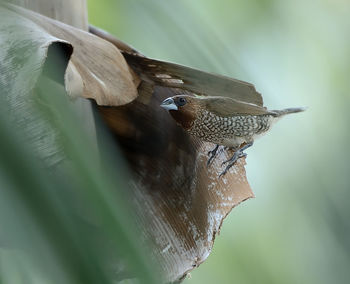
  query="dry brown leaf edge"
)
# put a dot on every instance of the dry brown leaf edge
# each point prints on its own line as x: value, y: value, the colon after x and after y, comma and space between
x: 181, y: 203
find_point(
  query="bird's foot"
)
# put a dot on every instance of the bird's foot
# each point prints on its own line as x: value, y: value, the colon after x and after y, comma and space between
x: 238, y: 154
x: 212, y: 155
x: 230, y: 162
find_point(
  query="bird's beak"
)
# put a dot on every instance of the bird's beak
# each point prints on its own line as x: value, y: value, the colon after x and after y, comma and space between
x: 169, y: 104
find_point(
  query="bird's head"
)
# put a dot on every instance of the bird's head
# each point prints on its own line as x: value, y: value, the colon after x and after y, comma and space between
x: 182, y: 108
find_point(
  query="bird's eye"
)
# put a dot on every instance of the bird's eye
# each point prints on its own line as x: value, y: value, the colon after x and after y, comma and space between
x: 182, y: 101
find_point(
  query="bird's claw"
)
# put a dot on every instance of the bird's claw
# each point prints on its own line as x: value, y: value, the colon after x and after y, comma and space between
x: 238, y: 154
x: 212, y: 155
x: 223, y: 173
x: 210, y: 161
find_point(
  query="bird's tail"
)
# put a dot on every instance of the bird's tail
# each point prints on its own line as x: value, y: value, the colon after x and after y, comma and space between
x: 288, y: 111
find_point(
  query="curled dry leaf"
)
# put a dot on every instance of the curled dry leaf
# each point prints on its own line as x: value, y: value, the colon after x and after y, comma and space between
x: 180, y: 201
x: 199, y: 82
x: 122, y: 46
x: 96, y: 70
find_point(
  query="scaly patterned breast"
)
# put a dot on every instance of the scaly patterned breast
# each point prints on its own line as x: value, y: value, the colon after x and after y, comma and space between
x: 213, y: 128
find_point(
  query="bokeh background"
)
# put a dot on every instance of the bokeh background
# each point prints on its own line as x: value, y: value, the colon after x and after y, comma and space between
x: 297, y: 53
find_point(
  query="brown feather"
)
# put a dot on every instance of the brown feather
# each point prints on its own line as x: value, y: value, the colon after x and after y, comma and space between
x: 185, y: 119
x: 225, y: 107
x: 186, y: 115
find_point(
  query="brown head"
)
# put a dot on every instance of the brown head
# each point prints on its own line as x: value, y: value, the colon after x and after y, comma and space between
x: 183, y: 109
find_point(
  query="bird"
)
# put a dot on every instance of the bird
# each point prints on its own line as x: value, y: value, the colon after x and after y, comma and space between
x: 215, y: 108
x: 224, y: 121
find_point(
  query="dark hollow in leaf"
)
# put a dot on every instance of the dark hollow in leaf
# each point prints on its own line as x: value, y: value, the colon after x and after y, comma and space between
x: 55, y: 53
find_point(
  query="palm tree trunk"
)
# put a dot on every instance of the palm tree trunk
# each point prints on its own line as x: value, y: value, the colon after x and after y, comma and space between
x: 73, y: 13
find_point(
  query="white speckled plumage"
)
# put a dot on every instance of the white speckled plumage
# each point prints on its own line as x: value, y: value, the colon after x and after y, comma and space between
x: 223, y: 121
x: 229, y: 131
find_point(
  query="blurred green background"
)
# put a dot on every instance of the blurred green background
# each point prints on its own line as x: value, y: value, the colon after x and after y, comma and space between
x: 297, y: 229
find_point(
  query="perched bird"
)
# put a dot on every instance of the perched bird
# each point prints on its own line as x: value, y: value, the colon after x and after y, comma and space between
x: 223, y: 121
x: 229, y: 112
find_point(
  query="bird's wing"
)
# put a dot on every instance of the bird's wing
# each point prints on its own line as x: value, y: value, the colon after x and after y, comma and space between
x: 224, y: 107
x: 202, y: 83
